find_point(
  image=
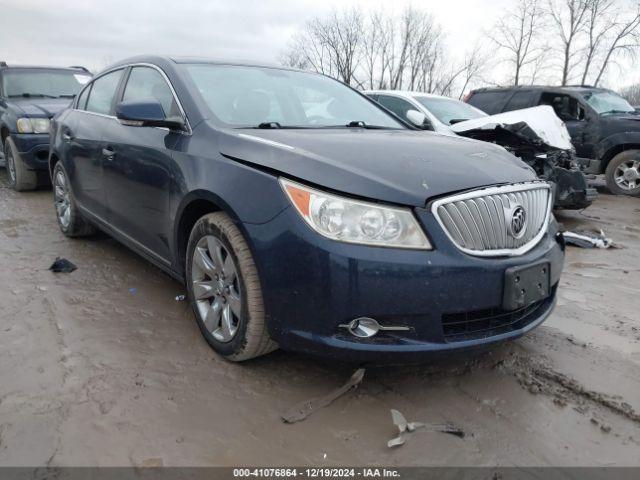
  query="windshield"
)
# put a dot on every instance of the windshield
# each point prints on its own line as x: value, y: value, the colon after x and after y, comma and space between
x: 42, y: 83
x: 608, y: 102
x: 447, y: 109
x: 242, y: 96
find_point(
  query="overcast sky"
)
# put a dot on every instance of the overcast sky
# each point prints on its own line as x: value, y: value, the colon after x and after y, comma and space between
x: 95, y: 33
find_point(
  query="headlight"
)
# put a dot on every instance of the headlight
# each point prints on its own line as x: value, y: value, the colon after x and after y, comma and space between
x: 33, y: 125
x: 353, y: 221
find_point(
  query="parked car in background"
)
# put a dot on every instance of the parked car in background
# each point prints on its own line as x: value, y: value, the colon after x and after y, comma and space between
x: 300, y: 213
x: 29, y: 98
x: 536, y: 135
x: 604, y: 127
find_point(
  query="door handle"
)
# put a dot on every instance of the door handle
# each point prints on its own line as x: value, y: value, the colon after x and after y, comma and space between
x: 109, y: 153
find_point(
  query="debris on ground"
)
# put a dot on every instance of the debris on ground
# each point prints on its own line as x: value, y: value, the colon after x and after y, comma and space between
x: 587, y: 239
x: 133, y: 291
x: 62, y: 265
x: 306, y: 408
x: 400, y: 421
x: 181, y: 298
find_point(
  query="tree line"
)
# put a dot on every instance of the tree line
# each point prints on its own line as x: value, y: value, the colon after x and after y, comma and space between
x: 557, y: 42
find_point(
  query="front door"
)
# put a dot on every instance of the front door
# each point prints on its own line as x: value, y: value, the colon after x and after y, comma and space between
x: 139, y: 167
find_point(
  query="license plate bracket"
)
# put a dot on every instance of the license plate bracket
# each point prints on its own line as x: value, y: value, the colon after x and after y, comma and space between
x: 524, y: 285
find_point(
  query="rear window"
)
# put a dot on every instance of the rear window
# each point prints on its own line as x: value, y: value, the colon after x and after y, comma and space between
x: 520, y: 99
x: 491, y: 101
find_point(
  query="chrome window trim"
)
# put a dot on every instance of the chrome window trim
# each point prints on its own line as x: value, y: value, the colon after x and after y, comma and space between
x: 481, y: 192
x: 133, y: 65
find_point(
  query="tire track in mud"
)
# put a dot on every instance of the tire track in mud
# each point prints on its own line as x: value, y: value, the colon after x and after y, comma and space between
x: 537, y: 376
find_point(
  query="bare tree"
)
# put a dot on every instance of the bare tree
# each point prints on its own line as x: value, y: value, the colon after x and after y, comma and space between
x: 599, y: 25
x: 330, y: 45
x: 632, y: 94
x: 569, y: 17
x: 624, y: 40
x: 518, y: 34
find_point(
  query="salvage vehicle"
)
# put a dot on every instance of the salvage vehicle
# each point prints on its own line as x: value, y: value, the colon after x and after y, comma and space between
x: 536, y: 135
x: 301, y: 214
x: 604, y: 127
x: 29, y: 98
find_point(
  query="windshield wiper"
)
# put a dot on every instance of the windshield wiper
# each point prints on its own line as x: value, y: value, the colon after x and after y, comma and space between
x: 32, y: 95
x: 361, y: 124
x: 269, y: 125
x: 618, y: 111
x: 67, y: 95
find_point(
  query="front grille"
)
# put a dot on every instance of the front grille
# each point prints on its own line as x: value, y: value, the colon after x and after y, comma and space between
x: 489, y: 322
x: 481, y: 222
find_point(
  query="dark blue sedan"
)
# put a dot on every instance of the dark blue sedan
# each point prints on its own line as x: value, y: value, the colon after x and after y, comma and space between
x: 301, y: 214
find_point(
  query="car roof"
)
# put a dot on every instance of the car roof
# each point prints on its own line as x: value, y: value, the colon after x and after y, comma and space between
x: 165, y: 59
x: 405, y: 93
x: 43, y: 67
x: 556, y: 88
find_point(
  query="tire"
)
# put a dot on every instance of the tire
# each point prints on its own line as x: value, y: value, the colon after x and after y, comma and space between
x: 227, y: 300
x: 21, y: 179
x: 70, y: 220
x: 617, y: 183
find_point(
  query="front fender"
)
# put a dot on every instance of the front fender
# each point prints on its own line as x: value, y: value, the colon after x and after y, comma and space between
x: 613, y: 142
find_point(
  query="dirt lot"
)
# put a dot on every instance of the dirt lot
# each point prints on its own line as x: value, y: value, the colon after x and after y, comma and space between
x: 104, y: 367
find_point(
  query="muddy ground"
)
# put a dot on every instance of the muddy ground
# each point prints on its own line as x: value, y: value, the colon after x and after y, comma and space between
x: 104, y: 367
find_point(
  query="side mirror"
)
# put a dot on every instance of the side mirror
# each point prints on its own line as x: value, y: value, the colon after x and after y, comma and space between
x: 147, y: 113
x: 419, y: 119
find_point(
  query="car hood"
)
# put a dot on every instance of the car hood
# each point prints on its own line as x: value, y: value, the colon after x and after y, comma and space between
x: 538, y: 124
x: 40, y: 107
x: 396, y: 166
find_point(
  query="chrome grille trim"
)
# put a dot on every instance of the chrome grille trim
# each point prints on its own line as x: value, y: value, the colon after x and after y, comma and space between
x: 476, y: 221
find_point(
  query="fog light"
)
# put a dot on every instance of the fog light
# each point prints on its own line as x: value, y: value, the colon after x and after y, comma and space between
x: 365, y: 327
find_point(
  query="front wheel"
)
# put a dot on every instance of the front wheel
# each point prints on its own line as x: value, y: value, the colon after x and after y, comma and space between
x: 225, y: 291
x: 20, y: 177
x: 623, y: 173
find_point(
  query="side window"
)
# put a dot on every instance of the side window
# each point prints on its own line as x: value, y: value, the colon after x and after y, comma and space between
x: 491, y: 101
x: 520, y: 99
x: 566, y: 107
x: 146, y: 83
x: 397, y: 105
x: 102, y: 93
x: 82, y: 99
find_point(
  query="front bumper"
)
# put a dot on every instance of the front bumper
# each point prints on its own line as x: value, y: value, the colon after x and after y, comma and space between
x: 33, y: 150
x: 311, y: 285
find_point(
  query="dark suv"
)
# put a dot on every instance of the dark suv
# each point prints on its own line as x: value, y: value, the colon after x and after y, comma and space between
x: 302, y: 214
x: 604, y: 127
x: 29, y: 98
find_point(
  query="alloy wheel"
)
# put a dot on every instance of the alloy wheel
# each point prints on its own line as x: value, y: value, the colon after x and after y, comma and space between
x: 61, y: 199
x: 11, y: 166
x: 627, y: 175
x: 216, y: 288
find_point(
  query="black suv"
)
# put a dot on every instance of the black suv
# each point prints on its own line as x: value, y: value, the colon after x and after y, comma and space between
x: 29, y: 98
x: 604, y: 127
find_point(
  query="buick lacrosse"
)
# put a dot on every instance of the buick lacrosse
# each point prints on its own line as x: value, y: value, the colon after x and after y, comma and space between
x: 301, y: 214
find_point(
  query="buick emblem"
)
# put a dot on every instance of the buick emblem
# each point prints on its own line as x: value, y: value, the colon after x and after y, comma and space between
x: 517, y: 221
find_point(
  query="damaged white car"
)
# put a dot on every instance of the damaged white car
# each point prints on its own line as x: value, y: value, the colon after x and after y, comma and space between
x: 536, y: 135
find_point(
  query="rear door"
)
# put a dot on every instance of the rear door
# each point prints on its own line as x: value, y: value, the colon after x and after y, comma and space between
x: 83, y: 133
x: 139, y: 170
